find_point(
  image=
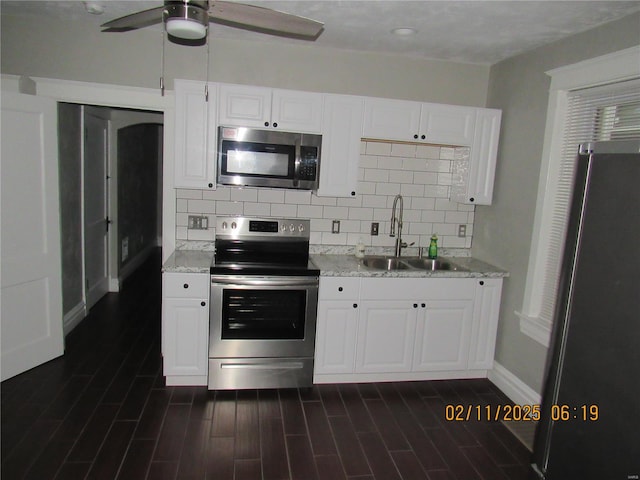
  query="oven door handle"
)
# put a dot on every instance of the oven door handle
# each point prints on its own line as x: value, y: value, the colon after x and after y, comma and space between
x: 264, y: 281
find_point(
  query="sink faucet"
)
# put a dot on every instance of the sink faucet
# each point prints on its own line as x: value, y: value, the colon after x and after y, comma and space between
x: 397, y: 219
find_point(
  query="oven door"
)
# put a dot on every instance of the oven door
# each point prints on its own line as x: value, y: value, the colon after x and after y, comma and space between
x: 259, y: 317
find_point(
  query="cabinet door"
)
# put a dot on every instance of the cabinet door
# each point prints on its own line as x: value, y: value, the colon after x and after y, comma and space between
x: 296, y: 111
x: 391, y: 119
x: 341, y: 137
x: 244, y: 106
x: 336, y: 336
x: 447, y: 124
x: 486, y: 312
x: 442, y: 335
x: 484, y: 154
x: 195, y: 138
x: 185, y: 336
x: 385, y: 336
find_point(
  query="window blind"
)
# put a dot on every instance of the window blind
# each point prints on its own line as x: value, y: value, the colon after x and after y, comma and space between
x: 608, y: 112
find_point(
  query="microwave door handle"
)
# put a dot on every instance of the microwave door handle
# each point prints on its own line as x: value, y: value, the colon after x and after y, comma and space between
x: 298, y: 153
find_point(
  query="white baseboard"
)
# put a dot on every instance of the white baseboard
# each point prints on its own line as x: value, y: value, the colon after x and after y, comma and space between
x: 134, y: 263
x: 73, y: 317
x: 514, y: 388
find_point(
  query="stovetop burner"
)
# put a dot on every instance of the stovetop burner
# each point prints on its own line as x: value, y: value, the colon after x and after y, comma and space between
x: 262, y: 246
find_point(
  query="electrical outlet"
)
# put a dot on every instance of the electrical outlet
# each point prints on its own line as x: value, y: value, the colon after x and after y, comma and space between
x: 335, y: 226
x: 197, y: 222
x: 374, y: 228
x: 462, y: 231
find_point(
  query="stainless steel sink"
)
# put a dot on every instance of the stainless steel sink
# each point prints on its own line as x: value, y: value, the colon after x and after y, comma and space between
x: 409, y: 263
x: 384, y: 263
x: 428, y: 264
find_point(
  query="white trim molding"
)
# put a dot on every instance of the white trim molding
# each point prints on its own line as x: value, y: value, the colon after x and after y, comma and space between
x: 73, y: 317
x: 615, y: 67
x: 514, y: 388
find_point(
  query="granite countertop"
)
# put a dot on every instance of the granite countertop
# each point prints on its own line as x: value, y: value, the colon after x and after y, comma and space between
x: 350, y: 266
x: 189, y: 261
x: 342, y: 265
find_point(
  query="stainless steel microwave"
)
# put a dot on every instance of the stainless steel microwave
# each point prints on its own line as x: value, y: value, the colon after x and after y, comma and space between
x: 268, y: 158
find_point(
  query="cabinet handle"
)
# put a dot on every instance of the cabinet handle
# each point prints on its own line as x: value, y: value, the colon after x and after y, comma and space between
x: 186, y: 285
x: 340, y: 289
x: 423, y: 137
x: 415, y: 136
x: 355, y: 305
x: 203, y: 304
x: 275, y: 124
x: 353, y: 194
x: 481, y: 282
x: 211, y: 185
x: 266, y: 124
x: 423, y: 305
x: 415, y: 305
x: 472, y: 199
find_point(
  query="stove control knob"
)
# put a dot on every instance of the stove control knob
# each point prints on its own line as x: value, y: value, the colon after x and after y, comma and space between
x: 224, y: 225
x: 284, y: 227
x: 292, y: 228
x: 301, y: 228
x: 234, y: 225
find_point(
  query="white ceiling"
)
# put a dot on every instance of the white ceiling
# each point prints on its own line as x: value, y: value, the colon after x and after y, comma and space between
x: 482, y: 32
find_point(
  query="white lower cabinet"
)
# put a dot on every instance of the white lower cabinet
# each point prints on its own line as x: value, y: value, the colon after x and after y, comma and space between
x: 185, y: 328
x: 387, y: 329
x: 443, y: 335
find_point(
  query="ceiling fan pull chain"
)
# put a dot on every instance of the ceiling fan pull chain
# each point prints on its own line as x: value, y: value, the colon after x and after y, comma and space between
x: 206, y: 84
x: 164, y: 35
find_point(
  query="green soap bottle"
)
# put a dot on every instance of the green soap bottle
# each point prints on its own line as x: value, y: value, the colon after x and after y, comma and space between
x: 433, y: 246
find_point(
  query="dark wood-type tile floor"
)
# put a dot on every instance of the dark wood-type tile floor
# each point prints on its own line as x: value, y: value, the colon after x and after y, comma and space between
x: 102, y: 411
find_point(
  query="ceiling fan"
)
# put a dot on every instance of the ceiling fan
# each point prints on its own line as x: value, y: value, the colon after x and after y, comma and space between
x: 189, y: 19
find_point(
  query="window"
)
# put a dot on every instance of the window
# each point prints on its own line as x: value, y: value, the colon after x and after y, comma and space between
x: 590, y: 101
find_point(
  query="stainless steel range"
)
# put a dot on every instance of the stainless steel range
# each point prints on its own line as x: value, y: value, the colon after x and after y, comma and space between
x: 264, y: 299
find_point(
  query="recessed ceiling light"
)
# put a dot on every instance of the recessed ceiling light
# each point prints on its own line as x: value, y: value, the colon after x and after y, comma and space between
x: 95, y: 8
x: 404, y: 31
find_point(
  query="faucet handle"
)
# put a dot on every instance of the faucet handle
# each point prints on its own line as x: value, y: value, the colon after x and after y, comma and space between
x: 420, y: 252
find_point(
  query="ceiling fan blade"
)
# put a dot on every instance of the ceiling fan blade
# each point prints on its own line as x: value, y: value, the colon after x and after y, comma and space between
x: 136, y: 20
x: 260, y: 18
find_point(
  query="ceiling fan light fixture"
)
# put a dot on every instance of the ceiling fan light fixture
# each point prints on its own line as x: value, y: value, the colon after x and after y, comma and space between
x: 404, y: 31
x: 186, y: 21
x: 186, y: 29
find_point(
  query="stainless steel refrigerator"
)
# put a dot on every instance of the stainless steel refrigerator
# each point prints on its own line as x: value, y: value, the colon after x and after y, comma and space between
x: 590, y: 424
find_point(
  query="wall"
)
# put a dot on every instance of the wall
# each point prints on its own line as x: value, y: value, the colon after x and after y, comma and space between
x: 503, y: 231
x: 78, y: 50
x: 421, y: 173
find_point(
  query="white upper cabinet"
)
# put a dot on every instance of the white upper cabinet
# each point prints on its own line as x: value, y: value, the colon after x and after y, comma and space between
x: 195, y: 138
x: 340, y: 155
x: 447, y: 124
x: 391, y: 119
x: 473, y: 175
x: 260, y: 107
x: 418, y: 122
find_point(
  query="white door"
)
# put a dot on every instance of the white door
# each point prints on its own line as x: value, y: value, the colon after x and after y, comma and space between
x: 31, y: 299
x: 95, y: 208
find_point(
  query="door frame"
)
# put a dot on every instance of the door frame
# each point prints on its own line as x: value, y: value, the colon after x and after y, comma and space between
x: 102, y: 114
x: 122, y: 96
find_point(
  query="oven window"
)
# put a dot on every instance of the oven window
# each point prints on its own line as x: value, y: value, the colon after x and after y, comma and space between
x: 263, y: 314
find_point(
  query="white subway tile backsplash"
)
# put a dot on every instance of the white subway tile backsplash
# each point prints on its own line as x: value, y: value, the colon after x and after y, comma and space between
x: 201, y: 206
x: 271, y: 195
x: 427, y: 151
x: 243, y: 195
x: 378, y: 148
x: 284, y: 210
x: 185, y: 193
x: 422, y: 173
x: 403, y: 150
